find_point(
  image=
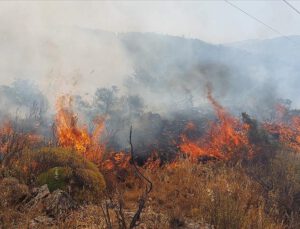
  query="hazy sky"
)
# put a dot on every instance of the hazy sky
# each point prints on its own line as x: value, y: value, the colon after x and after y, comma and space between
x: 40, y: 40
x: 212, y: 21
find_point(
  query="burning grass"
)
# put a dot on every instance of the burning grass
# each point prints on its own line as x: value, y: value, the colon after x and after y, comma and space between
x: 249, y: 179
x: 225, y: 139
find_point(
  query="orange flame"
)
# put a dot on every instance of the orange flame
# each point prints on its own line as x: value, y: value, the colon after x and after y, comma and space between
x: 153, y: 162
x: 226, y: 137
x: 287, y: 130
x: 118, y: 160
x: 5, y: 133
x: 70, y: 134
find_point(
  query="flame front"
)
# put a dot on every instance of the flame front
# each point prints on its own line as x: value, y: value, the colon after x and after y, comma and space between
x: 225, y: 138
x: 285, y: 128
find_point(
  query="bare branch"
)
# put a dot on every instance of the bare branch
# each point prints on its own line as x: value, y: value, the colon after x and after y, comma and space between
x: 143, y: 199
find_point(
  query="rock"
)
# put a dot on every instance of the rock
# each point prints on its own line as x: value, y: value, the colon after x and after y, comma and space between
x: 41, y: 222
x: 41, y: 192
x: 54, y: 204
x: 12, y: 192
x: 38, y: 194
x: 58, y: 203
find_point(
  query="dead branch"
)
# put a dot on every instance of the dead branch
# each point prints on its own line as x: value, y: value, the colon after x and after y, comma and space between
x: 143, y: 199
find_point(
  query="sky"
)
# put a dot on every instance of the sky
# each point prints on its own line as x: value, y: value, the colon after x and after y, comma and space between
x: 211, y: 21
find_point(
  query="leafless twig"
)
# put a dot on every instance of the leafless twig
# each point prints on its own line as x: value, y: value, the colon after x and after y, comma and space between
x: 143, y: 199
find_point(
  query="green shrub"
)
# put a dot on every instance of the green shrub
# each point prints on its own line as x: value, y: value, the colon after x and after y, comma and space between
x: 49, y: 157
x: 61, y: 168
x: 55, y: 178
x: 92, y: 183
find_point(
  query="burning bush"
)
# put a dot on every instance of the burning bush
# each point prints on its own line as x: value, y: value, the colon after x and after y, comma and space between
x: 70, y: 134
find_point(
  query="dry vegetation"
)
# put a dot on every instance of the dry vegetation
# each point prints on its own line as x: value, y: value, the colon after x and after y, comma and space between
x: 255, y: 185
x: 185, y: 195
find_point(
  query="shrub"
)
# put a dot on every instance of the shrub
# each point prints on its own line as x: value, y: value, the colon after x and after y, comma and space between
x: 91, y: 180
x: 55, y: 178
x: 61, y: 168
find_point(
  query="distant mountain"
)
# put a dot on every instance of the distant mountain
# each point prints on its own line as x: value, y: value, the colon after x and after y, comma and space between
x: 252, y: 73
x: 286, y: 49
x: 281, y: 58
x: 169, y: 72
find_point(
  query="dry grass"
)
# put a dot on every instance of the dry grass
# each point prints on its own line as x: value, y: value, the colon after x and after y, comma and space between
x: 191, y: 195
x: 212, y: 193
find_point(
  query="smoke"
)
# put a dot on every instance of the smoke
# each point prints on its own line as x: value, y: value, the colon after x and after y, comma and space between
x: 21, y: 99
x: 172, y: 73
x: 44, y: 44
x: 154, y: 82
x: 168, y: 74
x: 60, y: 60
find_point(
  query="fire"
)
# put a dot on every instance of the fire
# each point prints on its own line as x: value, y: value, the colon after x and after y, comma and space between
x: 153, y: 162
x: 12, y: 139
x: 70, y: 134
x: 118, y: 160
x: 287, y: 129
x: 225, y: 138
x: 5, y: 133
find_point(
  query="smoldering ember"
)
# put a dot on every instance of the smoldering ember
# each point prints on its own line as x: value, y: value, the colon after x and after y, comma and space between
x: 148, y: 114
